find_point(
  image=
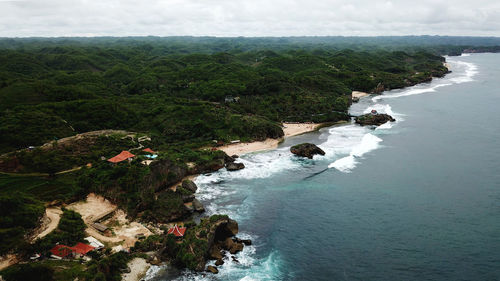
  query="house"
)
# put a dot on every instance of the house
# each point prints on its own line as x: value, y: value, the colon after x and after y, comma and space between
x: 61, y: 251
x: 177, y: 231
x: 81, y: 249
x: 94, y: 242
x: 148, y: 150
x: 124, y: 155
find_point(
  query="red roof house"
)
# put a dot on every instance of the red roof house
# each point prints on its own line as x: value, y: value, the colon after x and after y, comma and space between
x: 177, y: 231
x: 124, y: 155
x: 82, y: 249
x: 149, y: 150
x: 61, y: 251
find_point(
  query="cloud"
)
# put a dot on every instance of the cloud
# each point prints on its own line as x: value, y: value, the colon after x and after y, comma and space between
x: 247, y: 18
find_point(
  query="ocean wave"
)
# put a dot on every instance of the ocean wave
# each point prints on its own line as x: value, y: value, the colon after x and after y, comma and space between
x: 368, y: 143
x: 416, y: 90
x: 470, y: 71
x: 247, y: 268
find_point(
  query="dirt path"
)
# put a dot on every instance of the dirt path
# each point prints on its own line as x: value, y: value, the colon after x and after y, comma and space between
x: 53, y: 215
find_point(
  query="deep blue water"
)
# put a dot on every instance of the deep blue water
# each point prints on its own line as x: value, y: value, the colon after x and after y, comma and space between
x: 417, y: 200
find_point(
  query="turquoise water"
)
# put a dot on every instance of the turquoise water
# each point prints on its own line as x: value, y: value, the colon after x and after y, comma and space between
x: 418, y: 199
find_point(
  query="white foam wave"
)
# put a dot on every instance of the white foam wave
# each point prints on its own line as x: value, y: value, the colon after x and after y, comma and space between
x: 416, y: 90
x: 368, y: 143
x: 381, y: 108
x: 152, y: 272
x: 384, y: 126
x: 465, y: 55
x: 470, y: 71
x: 247, y: 268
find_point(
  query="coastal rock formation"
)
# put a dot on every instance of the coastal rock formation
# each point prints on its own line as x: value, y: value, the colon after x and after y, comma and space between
x: 187, y: 198
x: 197, y: 206
x: 229, y: 159
x: 379, y: 89
x: 207, y: 240
x: 374, y: 119
x: 189, y: 185
x: 306, y: 150
x: 164, y: 173
x: 212, y: 269
x: 233, y: 166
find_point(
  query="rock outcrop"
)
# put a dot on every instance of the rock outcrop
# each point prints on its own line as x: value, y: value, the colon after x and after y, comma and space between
x: 212, y: 269
x: 197, y: 206
x: 306, y: 150
x: 189, y: 185
x: 233, y: 166
x: 374, y: 119
x: 205, y: 241
x: 379, y: 89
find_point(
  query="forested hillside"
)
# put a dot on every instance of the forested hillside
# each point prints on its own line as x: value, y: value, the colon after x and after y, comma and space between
x: 53, y: 90
x: 183, y: 93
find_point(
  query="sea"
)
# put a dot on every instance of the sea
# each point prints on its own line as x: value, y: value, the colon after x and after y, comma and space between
x: 416, y: 199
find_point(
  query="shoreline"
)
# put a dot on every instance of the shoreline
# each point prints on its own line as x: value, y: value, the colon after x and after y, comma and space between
x: 290, y: 130
x: 358, y: 94
x: 138, y: 269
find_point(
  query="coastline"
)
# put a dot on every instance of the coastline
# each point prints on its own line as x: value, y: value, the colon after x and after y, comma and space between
x: 138, y: 268
x: 290, y: 130
x: 358, y: 94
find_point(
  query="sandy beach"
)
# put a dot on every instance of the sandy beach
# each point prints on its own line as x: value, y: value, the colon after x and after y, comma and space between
x: 290, y: 129
x: 138, y: 268
x: 357, y: 94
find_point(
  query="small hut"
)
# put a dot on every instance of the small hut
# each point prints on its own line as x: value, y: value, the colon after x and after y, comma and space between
x: 177, y: 231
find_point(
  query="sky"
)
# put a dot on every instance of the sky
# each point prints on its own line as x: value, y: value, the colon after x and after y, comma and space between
x: 50, y: 18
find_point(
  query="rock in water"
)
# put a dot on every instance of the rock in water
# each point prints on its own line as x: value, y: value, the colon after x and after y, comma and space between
x: 212, y: 269
x: 232, y: 166
x: 374, y: 119
x: 235, y: 248
x: 306, y: 150
x: 214, y: 253
x: 219, y: 262
x: 198, y: 207
x: 189, y: 185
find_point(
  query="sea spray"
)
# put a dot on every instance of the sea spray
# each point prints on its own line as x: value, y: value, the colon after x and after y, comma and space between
x: 368, y: 143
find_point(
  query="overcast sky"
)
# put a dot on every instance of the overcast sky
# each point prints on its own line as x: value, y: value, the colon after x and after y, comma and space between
x: 21, y: 18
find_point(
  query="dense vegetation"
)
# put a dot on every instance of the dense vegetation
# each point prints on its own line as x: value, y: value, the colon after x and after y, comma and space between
x: 19, y: 213
x: 69, y: 231
x: 184, y: 93
x: 52, y: 91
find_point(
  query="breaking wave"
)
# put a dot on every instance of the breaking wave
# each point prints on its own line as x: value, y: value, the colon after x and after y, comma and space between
x: 368, y: 143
